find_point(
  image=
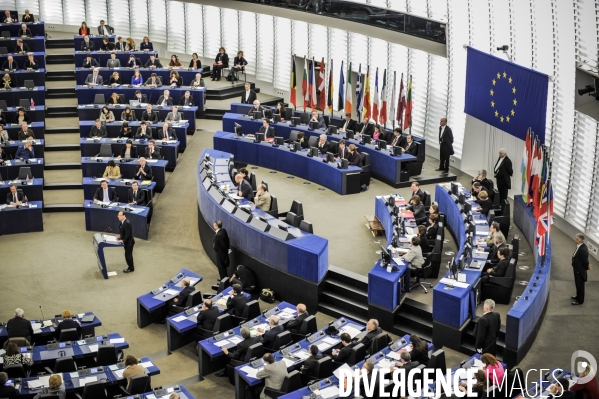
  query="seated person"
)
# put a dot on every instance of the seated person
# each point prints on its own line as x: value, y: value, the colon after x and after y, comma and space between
x: 406, y: 362
x: 498, y: 243
x: 106, y: 45
x: 55, y: 387
x: 137, y: 79
x: 13, y: 356
x: 86, y: 44
x: 414, y: 255
x: 136, y: 196
x: 25, y: 152
x: 295, y: 324
x: 411, y: 147
x: 244, y: 277
x: 25, y: 133
x: 105, y: 193
x: 180, y: 301
x: 493, y: 369
x: 7, y: 391
x: 95, y: 79
x: 256, y: 107
x: 24, y: 31
x: 416, y: 190
x: 432, y: 231
x: 98, y: 130
x: 481, y: 178
x: 500, y: 268
x: 115, y: 79
x: 10, y: 64
x: 479, y: 386
x: 417, y: 207
x: 236, y: 301
x: 152, y: 152
x: 323, y: 145
x: 119, y: 45
x: 15, y: 197
x: 477, y: 188
x: 31, y: 64
x: 377, y: 133
x: 145, y: 171
x: 112, y: 171
x: 372, y: 326
x: 310, y: 363
x: 115, y: 99
x: 268, y: 337
x: 133, y: 369
x: 398, y: 140
x: 419, y: 350
x: 269, y: 131
x: 301, y: 138
x: 341, y: 355
x: 19, y: 326
x: 343, y: 150
x: 195, y: 62
x: 148, y: 115
x: 153, y: 62
x: 21, y: 48
x: 207, y: 318
x: 7, y: 82
x: 3, y: 139
x: 106, y: 115
x: 244, y: 189
x: 134, y: 62
x: 141, y: 98
x: 262, y: 198
x: 367, y: 127
x: 186, y: 100
x: 198, y: 81
x: 348, y: 124
x: 318, y: 118
x: 89, y: 62
x: 21, y: 116
x: 489, y: 240
x: 484, y: 203
x: 128, y: 115
x: 174, y: 62
x: 154, y: 80
x: 165, y: 99
x: 143, y: 131
x: 166, y: 133
x: 128, y: 151
x: 353, y: 157
x: 113, y: 62
x: 67, y: 323
x: 8, y: 18
x: 126, y: 131
x: 424, y: 245
x: 175, y: 80
x: 146, y: 45
x: 241, y: 349
x: 174, y: 115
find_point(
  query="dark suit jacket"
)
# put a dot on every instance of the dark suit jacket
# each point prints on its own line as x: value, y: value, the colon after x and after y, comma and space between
x: 246, y: 190
x: 224, y: 58
x: 446, y: 141
x: 207, y: 318
x: 99, y: 195
x: 14, y: 65
x: 251, y: 97
x: 221, y: 241
x: 8, y: 391
x: 268, y: 338
x: 154, y: 155
x: 369, y: 130
x: 412, y: 149
x: 504, y: 174
x: 126, y: 233
x: 242, y: 348
x: 580, y: 261
x: 32, y: 65
x: 19, y: 327
x: 269, y: 134
x: 65, y: 325
x: 133, y: 152
x: 189, y: 101
x: 141, y: 197
x: 107, y: 46
x: 487, y: 329
x: 324, y: 148
x: 351, y: 125
x: 145, y: 135
x: 295, y: 324
x: 500, y: 269
x: 91, y: 64
x: 236, y: 304
x: 485, y: 205
x: 367, y: 340
x: 344, y: 353
x: 107, y: 27
x: 431, y: 232
x: 310, y: 363
x: 343, y: 154
x: 159, y: 134
x: 20, y: 197
x: 98, y: 131
x: 153, y: 117
x: 156, y: 63
x: 254, y: 109
x: 169, y: 101
x: 401, y: 141
x: 89, y: 46
x: 424, y: 245
x: 419, y: 357
x: 120, y: 46
x: 26, y: 32
x: 148, y: 175
x: 493, y: 258
x: 138, y: 63
x: 354, y: 159
x: 184, y: 294
x: 22, y: 48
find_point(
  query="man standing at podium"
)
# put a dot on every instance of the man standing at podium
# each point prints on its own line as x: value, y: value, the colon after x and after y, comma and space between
x: 221, y: 247
x: 126, y: 238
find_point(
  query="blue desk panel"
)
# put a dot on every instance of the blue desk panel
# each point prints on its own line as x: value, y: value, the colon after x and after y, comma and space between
x: 12, y: 148
x: 37, y: 114
x: 10, y: 169
x: 87, y: 113
x: 381, y: 162
x: 103, y: 56
x: 99, y: 219
x: 34, y: 190
x: 283, y: 160
x: 37, y: 28
x: 127, y: 73
x: 19, y: 77
x: 121, y: 186
x: 92, y: 168
x: 35, y: 44
x: 25, y: 220
x: 169, y: 152
x: 113, y: 129
x: 96, y: 39
x: 14, y: 96
x: 37, y: 127
x: 39, y: 56
x: 85, y: 95
x: 305, y: 257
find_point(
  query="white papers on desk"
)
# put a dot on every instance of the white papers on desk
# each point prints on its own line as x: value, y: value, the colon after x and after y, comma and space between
x: 331, y: 341
x: 337, y: 373
x: 325, y: 344
x: 329, y: 392
x: 117, y: 340
x: 179, y: 319
x: 235, y: 340
x: 37, y: 331
x: 301, y: 354
x: 171, y: 291
x: 288, y: 362
x: 250, y: 371
x: 222, y: 301
x: 263, y: 326
x: 109, y: 238
x: 93, y: 348
x: 352, y: 331
x: 193, y: 281
x: 147, y: 365
x: 36, y: 326
x: 288, y: 310
x: 222, y: 343
x: 80, y: 315
x: 47, y: 323
x: 455, y: 283
x: 43, y: 381
x: 478, y: 364
x: 119, y: 373
x: 87, y: 380
x: 151, y: 160
x: 393, y: 355
x: 384, y: 364
x: 403, y: 239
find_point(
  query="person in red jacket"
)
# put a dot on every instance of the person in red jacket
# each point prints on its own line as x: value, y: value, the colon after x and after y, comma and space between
x: 588, y: 388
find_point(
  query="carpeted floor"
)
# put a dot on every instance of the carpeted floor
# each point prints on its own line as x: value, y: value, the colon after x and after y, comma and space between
x: 57, y: 269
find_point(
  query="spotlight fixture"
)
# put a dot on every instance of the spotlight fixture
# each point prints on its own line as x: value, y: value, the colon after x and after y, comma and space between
x: 503, y: 48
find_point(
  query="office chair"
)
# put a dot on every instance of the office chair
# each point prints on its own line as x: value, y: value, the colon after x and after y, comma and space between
x: 20, y: 341
x: 292, y: 219
x: 219, y: 287
x: 365, y: 175
x: 222, y: 324
x: 324, y: 368
x: 251, y: 310
x: 24, y: 172
x: 306, y: 226
x: 93, y: 390
x: 255, y: 351
x: 106, y: 355
x: 379, y: 342
x: 69, y: 334
x: 28, y: 83
x: 293, y: 136
x: 358, y: 353
x: 435, y: 257
x: 327, y: 120
x: 297, y: 208
x: 281, y: 340
x: 313, y: 141
x: 105, y: 150
x: 334, y: 147
x: 500, y: 288
x: 288, y: 113
x: 194, y: 299
x: 99, y: 99
x: 24, y: 103
x: 427, y: 201
x: 422, y: 273
x: 308, y: 327
x: 274, y: 206
x: 138, y: 385
x: 3, y: 105
x: 253, y: 182
x: 437, y: 360
x: 122, y: 98
x: 5, y: 34
x: 63, y: 365
x: 3, y: 50
x: 291, y: 383
x: 16, y: 371
x: 304, y: 118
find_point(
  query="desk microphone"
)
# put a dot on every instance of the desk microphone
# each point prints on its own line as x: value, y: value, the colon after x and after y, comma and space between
x: 42, y: 312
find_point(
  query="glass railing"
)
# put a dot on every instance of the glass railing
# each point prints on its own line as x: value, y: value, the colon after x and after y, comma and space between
x: 366, y: 14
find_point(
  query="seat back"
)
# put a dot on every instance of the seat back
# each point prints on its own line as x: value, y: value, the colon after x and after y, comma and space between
x: 20, y: 341
x: 3, y: 50
x: 65, y: 365
x: 358, y: 353
x: 288, y: 113
x: 105, y: 150
x: 223, y: 323
x: 308, y: 326
x: 427, y: 200
x: 69, y: 334
x: 255, y: 351
x: 265, y: 184
x: 94, y: 390
x: 280, y: 340
x: 379, y: 342
x: 99, y: 99
x: 437, y: 361
x: 365, y: 161
x: 253, y: 181
x: 292, y: 382
x: 274, y: 206
x: 334, y: 147
x: 327, y: 120
x: 30, y: 85
x: 122, y: 98
x: 291, y: 219
x: 297, y: 208
x: 24, y: 103
x: 304, y: 118
x: 515, y: 246
x: 251, y: 310
x: 139, y: 384
x: 49, y: 396
x: 495, y: 195
x: 106, y: 355
x: 324, y: 368
x: 194, y: 299
x: 293, y: 135
x: 511, y: 269
x: 306, y: 226
x: 15, y: 371
x: 3, y: 105
x: 313, y: 141
x: 24, y: 172
x: 5, y: 34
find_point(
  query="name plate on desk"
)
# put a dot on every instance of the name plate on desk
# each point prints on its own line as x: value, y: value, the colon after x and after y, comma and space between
x: 218, y: 197
x: 244, y: 215
x: 280, y: 233
x: 260, y: 224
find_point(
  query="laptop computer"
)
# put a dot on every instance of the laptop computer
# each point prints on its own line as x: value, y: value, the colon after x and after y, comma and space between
x: 134, y: 102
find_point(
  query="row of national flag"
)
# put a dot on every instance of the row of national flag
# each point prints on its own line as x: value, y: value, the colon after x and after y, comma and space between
x: 376, y: 109
x: 537, y: 190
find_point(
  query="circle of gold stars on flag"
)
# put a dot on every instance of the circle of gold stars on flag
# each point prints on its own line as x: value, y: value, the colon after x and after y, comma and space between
x: 502, y: 79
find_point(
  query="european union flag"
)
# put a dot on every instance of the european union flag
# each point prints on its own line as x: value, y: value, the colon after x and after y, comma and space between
x: 505, y: 95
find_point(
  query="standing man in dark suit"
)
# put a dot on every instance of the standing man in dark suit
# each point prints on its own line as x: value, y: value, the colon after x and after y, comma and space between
x: 236, y: 302
x: 487, y: 329
x: 207, y: 318
x: 221, y: 247
x: 580, y: 265
x: 349, y: 124
x: 503, y: 175
x: 295, y: 324
x: 125, y: 237
x: 309, y: 364
x: 249, y: 95
x: 446, y: 145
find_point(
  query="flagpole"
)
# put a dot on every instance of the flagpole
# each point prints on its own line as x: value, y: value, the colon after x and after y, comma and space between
x: 393, y: 98
x: 295, y: 77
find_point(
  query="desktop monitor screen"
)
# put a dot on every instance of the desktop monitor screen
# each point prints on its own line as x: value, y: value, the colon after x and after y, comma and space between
x: 259, y: 137
x: 295, y: 120
x: 288, y: 113
x: 366, y: 139
x: 257, y: 115
x: 313, y: 125
x: 238, y: 130
x: 349, y: 134
x: 454, y: 188
x: 296, y: 146
x: 462, y: 199
x: 381, y: 144
x: 279, y: 140
x: 276, y: 118
x: 472, y: 228
x: 314, y: 151
x: 330, y: 157
x: 332, y: 129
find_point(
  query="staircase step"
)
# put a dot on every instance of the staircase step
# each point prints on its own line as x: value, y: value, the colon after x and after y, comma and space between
x: 61, y: 58
x: 62, y: 147
x: 63, y: 208
x: 53, y: 130
x: 54, y: 76
x: 213, y: 116
x: 62, y: 166
x: 424, y: 333
x: 61, y: 92
x: 62, y: 112
x: 419, y: 309
x: 61, y: 43
x: 345, y: 276
x: 341, y: 300
x: 344, y: 289
x: 73, y: 185
x: 335, y: 311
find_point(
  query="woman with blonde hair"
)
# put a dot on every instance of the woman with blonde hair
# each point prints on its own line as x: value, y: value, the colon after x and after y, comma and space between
x: 589, y: 389
x: 67, y: 323
x: 115, y: 79
x: 129, y: 44
x: 7, y: 81
x: 55, y: 388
